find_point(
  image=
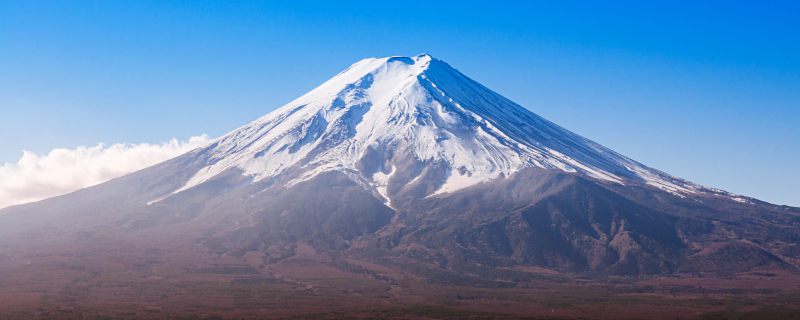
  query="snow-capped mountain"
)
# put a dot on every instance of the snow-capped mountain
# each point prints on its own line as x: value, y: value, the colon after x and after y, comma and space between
x: 384, y: 115
x: 405, y: 163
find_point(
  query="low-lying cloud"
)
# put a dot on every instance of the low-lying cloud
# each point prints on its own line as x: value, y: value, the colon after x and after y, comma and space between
x: 36, y: 177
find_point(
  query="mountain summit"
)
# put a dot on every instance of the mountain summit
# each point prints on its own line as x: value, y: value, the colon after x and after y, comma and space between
x: 395, y: 174
x: 413, y: 124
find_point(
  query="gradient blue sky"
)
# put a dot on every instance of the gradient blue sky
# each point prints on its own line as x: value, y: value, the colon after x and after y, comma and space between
x: 709, y: 92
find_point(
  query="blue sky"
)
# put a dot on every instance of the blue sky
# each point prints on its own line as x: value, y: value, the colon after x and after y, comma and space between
x: 709, y: 92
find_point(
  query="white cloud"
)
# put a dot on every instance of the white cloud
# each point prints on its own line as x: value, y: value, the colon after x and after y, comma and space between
x: 35, y: 177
